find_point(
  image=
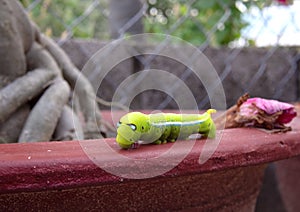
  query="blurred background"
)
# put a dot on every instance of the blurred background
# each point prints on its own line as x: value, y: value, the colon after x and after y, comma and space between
x: 215, y: 23
x: 253, y: 45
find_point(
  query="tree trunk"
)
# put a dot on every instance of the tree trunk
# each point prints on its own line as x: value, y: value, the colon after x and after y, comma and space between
x: 125, y: 17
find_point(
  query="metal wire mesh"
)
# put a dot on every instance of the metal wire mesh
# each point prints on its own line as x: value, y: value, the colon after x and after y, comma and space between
x: 250, y: 43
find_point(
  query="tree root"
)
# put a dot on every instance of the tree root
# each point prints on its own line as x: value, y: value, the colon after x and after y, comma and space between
x: 35, y: 68
x: 42, y: 120
x: 79, y: 83
x: 14, y: 41
x: 38, y: 57
x: 68, y: 126
x: 22, y: 90
x: 12, y: 127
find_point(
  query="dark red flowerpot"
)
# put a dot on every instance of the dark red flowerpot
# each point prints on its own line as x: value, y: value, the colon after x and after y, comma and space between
x: 75, y: 176
x: 288, y: 176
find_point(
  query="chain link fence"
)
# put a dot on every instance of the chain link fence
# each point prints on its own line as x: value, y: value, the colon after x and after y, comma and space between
x: 251, y: 44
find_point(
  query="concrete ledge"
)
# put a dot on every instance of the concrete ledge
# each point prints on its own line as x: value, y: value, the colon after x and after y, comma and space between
x: 59, y: 175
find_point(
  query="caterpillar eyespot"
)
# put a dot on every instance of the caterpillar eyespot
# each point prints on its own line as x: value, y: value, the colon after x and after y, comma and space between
x: 162, y: 127
x: 132, y: 126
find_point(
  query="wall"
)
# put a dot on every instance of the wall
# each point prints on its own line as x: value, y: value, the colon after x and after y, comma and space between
x: 265, y: 72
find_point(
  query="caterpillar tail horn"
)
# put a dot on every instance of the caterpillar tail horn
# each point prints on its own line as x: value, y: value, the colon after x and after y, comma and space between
x: 210, y: 111
x: 212, y: 130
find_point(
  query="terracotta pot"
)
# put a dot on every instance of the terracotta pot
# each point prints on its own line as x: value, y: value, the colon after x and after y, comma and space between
x: 231, y: 190
x: 288, y: 175
x: 75, y: 175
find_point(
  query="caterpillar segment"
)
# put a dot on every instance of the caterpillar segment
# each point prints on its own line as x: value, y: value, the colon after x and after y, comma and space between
x: 161, y: 128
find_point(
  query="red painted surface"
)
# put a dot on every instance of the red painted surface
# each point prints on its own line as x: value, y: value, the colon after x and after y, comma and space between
x: 288, y: 175
x: 61, y: 176
x: 47, y: 165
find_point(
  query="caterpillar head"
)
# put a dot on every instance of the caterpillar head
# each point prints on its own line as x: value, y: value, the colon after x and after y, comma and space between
x: 130, y: 128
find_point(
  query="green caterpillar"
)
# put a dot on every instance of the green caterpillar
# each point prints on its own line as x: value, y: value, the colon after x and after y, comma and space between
x: 162, y: 127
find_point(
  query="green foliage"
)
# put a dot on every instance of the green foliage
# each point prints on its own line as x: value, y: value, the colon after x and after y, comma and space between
x: 70, y: 17
x: 217, y: 21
